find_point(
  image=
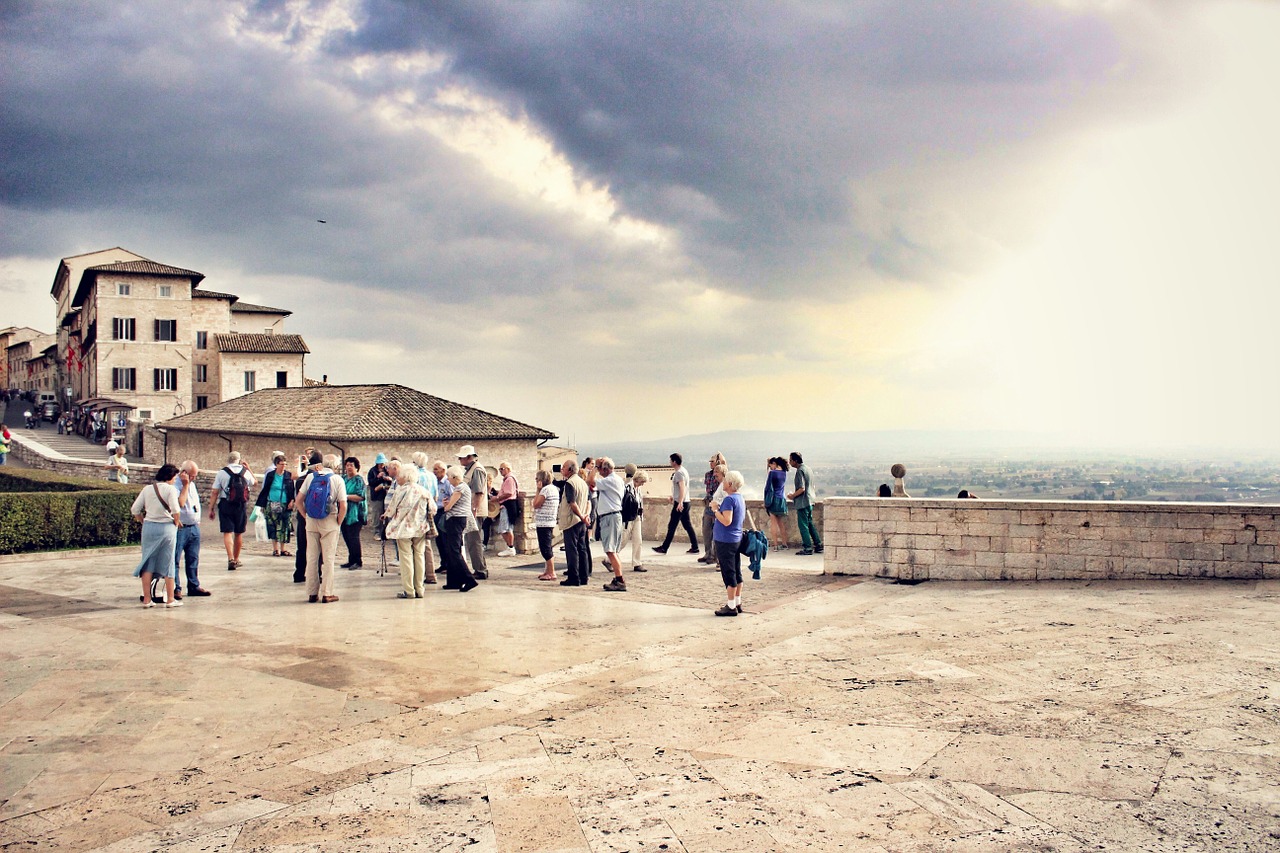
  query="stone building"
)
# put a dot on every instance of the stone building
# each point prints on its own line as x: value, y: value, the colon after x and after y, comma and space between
x: 27, y: 363
x: 146, y: 334
x: 348, y: 420
x: 12, y: 336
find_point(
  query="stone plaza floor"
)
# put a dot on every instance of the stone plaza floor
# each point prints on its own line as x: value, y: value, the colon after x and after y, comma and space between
x: 838, y: 714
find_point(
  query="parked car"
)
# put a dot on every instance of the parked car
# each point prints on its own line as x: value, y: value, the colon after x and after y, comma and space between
x: 49, y: 412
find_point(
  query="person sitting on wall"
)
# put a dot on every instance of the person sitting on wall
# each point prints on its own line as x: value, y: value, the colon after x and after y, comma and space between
x: 885, y: 491
x: 965, y: 494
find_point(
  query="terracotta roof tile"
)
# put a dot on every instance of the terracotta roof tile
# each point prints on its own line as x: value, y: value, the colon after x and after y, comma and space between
x: 147, y: 267
x: 242, y: 342
x: 258, y: 309
x: 198, y: 293
x: 354, y: 413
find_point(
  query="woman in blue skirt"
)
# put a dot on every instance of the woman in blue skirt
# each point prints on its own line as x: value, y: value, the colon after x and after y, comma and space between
x: 157, y: 508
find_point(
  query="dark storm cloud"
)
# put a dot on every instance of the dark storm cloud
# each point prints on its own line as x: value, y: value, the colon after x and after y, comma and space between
x: 791, y: 148
x: 748, y: 125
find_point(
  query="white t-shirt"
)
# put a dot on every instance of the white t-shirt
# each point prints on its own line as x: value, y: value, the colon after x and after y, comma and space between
x: 609, y: 492
x: 545, y: 515
x: 149, y: 505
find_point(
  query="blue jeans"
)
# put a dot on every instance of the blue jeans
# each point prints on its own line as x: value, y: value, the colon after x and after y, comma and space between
x: 189, y: 545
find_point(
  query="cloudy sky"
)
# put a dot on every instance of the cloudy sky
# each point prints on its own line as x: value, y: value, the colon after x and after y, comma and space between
x: 634, y: 220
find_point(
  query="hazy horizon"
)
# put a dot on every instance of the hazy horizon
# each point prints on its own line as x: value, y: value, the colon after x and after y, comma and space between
x: 1048, y: 216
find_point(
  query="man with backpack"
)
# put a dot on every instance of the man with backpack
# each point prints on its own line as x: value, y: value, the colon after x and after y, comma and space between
x: 229, y: 503
x: 322, y: 498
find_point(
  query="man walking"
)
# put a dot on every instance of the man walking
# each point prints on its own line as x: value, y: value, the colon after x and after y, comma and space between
x: 575, y: 513
x: 477, y: 479
x: 609, y: 489
x: 322, y: 498
x: 679, y: 506
x: 188, y: 543
x: 802, y: 500
x: 229, y: 502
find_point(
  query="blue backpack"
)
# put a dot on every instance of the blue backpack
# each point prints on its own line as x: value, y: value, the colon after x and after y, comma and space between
x: 318, y: 494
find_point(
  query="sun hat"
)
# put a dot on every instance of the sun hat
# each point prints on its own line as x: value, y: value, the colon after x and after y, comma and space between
x: 111, y: 445
x: 380, y: 459
x: 466, y: 450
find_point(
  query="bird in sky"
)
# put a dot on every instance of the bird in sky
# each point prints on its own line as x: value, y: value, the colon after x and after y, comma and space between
x: 323, y: 221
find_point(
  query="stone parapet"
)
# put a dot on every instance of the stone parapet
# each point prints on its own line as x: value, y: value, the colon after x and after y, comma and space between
x: 657, y: 513
x: 1049, y: 540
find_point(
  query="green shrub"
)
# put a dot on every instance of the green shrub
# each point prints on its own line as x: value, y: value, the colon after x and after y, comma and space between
x: 45, y: 511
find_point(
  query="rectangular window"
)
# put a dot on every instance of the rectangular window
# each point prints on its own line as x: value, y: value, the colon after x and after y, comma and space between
x: 123, y: 289
x: 202, y: 373
x: 202, y: 402
x: 124, y: 379
x: 202, y: 340
x: 250, y: 380
x: 282, y: 379
x: 166, y: 291
x: 166, y: 378
x: 166, y: 330
x: 123, y: 329
x: 145, y: 414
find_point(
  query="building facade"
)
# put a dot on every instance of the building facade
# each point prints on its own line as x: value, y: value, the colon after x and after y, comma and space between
x: 10, y: 337
x: 145, y: 334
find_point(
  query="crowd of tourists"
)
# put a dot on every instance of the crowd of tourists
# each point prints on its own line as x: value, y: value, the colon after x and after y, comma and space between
x: 439, y: 517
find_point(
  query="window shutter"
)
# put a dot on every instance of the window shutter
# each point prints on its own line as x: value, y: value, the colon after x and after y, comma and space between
x: 156, y: 334
x: 157, y: 378
x: 115, y: 379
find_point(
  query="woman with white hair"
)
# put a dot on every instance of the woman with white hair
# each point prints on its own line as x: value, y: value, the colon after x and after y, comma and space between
x: 730, y: 512
x: 633, y: 530
x: 546, y: 506
x: 458, y: 517
x: 410, y: 521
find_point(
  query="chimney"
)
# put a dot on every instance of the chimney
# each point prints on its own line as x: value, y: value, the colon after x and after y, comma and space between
x: 324, y: 377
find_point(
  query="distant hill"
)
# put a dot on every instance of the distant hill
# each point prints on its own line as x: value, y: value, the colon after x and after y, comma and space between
x: 907, y: 446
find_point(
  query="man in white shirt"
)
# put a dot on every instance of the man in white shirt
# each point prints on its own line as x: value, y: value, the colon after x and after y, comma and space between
x: 323, y: 531
x: 679, y: 506
x: 188, y: 544
x: 229, y: 503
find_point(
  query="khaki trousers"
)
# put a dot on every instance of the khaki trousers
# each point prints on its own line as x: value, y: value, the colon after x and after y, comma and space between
x: 632, y: 534
x: 417, y: 565
x: 323, y: 535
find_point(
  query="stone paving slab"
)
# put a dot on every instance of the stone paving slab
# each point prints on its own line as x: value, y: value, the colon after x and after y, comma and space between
x: 842, y: 714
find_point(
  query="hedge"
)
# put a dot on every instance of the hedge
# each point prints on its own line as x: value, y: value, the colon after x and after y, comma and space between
x: 46, y: 511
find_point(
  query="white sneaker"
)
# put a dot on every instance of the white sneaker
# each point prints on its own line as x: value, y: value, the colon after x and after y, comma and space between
x: 509, y: 552
x: 395, y: 564
x: 146, y: 604
x: 177, y: 602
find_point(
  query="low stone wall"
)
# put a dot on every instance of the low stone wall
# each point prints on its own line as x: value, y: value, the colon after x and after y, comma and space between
x: 1049, y: 540
x: 657, y: 513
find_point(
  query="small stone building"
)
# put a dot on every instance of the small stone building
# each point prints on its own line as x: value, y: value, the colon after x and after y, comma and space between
x: 347, y: 420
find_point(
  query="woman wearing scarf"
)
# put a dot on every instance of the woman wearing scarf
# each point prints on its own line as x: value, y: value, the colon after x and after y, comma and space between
x: 276, y: 502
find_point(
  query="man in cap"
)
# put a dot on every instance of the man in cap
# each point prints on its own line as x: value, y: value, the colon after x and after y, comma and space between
x: 477, y: 479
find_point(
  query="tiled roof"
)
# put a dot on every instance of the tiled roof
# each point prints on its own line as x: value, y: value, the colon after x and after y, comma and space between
x: 142, y: 267
x: 240, y: 342
x: 146, y: 267
x: 308, y: 382
x: 259, y: 309
x: 354, y: 413
x: 197, y: 293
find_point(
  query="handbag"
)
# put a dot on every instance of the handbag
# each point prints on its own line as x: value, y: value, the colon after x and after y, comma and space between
x: 164, y: 503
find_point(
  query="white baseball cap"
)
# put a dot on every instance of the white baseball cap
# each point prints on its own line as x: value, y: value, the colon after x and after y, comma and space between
x: 111, y: 445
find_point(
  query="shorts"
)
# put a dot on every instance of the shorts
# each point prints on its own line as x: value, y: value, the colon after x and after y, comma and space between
x: 546, y: 538
x: 232, y: 519
x: 504, y: 524
x: 730, y: 563
x: 610, y: 528
x: 776, y: 506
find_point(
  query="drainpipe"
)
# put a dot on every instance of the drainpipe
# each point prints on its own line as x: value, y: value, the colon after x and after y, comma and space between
x: 165, y: 433
x: 230, y: 447
x: 342, y: 453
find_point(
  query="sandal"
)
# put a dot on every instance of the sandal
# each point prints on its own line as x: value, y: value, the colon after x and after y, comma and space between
x: 286, y: 553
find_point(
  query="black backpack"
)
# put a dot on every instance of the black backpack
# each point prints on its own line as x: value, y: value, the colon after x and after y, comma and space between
x: 631, y: 508
x: 237, y: 488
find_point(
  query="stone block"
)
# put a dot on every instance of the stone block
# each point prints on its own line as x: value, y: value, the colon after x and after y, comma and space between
x: 933, y: 515
x: 983, y: 529
x: 926, y: 542
x: 1220, y: 536
x: 1010, y: 574
x: 1153, y: 567
x: 1020, y: 545
x: 1177, y: 534
x: 1195, y: 520
x: 1024, y: 561
x: 990, y: 559
x: 1244, y: 571
x: 1271, y: 571
x: 1105, y: 567
x: 957, y: 557
x: 1089, y: 548
x: 1026, y: 531
x: 1267, y: 537
x: 865, y: 540
x: 1051, y: 545
x: 947, y: 572
x: 1033, y: 516
x: 1154, y: 550
x: 1123, y: 548
x: 1064, y: 565
x: 1227, y: 521
x: 893, y: 513
x: 975, y: 543
x: 1196, y: 568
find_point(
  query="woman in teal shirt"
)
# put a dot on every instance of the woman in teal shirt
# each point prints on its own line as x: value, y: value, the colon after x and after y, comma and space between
x: 276, y: 502
x: 357, y: 513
